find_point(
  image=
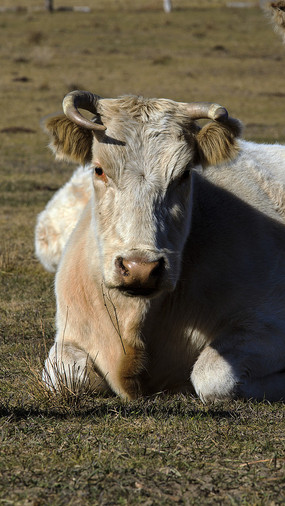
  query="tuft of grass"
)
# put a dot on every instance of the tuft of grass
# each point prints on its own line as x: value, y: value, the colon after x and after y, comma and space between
x: 50, y: 386
x: 7, y: 258
x: 36, y: 37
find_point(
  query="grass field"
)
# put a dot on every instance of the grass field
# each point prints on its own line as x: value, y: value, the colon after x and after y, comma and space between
x: 161, y: 450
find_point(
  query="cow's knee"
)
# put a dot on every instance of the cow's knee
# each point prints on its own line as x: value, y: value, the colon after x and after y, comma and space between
x: 213, y: 377
x: 65, y: 365
x: 71, y: 368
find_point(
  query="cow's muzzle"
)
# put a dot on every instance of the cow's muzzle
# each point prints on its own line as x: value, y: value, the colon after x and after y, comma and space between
x: 138, y: 276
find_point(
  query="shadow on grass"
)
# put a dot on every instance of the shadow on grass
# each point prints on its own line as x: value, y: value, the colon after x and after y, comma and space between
x: 155, y: 407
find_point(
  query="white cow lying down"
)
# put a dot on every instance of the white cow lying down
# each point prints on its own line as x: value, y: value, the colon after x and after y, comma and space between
x: 174, y: 275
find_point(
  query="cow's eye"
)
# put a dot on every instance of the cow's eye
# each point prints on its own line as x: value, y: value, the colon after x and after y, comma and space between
x: 98, y: 171
x: 100, y: 174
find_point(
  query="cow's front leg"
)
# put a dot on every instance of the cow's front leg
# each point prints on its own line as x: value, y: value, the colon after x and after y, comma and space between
x: 128, y: 379
x: 247, y: 367
x: 68, y: 367
x: 214, y: 377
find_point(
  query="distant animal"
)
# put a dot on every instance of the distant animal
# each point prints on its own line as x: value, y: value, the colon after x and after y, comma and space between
x: 170, y: 242
x: 276, y: 11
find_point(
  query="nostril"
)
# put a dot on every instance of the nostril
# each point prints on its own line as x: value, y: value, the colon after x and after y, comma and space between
x: 157, y: 269
x: 120, y: 266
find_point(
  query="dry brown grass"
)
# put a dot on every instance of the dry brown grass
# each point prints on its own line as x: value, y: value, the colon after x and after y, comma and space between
x: 78, y: 449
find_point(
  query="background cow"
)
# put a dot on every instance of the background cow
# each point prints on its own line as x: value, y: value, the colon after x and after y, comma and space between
x: 276, y: 10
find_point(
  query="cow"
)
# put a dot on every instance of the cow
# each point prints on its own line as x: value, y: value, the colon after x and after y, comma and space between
x: 169, y: 245
x: 276, y: 12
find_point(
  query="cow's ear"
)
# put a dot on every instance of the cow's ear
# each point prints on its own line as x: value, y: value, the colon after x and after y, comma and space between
x: 69, y: 141
x: 217, y: 141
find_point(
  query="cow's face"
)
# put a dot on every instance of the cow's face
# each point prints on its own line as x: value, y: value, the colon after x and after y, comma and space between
x: 142, y: 170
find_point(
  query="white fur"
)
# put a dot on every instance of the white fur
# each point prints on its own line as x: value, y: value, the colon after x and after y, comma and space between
x: 59, y: 218
x: 219, y: 315
x: 265, y: 164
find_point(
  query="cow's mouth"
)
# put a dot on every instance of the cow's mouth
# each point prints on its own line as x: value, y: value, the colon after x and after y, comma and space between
x: 139, y: 291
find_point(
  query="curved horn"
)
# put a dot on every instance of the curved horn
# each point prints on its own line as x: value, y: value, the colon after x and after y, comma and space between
x: 199, y: 110
x: 85, y: 100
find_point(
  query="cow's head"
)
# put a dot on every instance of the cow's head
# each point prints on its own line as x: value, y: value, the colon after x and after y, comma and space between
x: 142, y: 152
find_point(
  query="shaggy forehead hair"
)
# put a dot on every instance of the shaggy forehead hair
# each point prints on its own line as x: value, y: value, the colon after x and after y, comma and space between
x: 152, y: 111
x: 145, y: 135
